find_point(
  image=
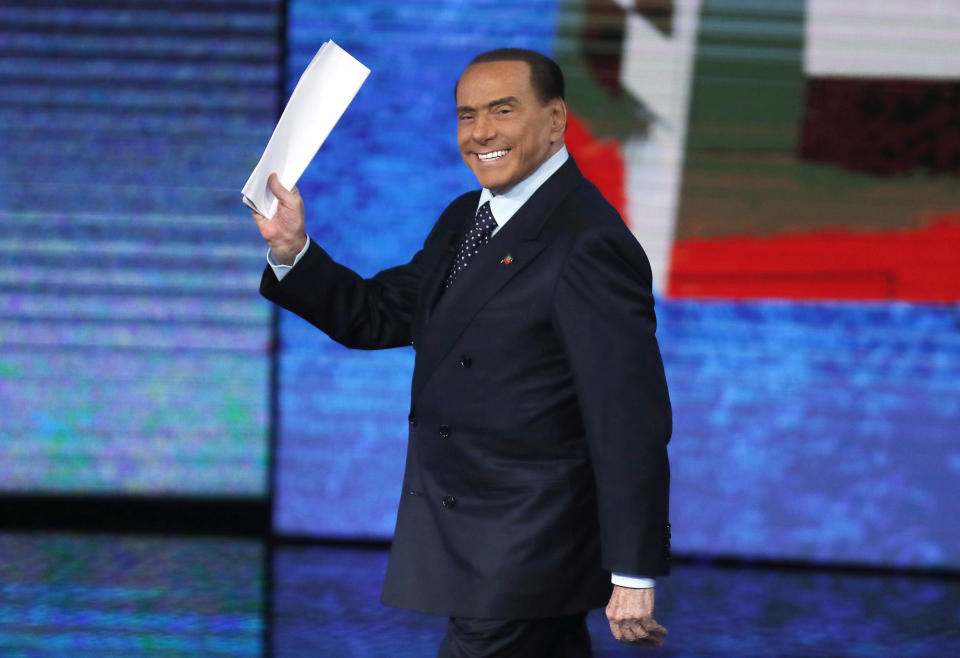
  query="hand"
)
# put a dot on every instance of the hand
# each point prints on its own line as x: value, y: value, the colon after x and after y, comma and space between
x: 285, y: 232
x: 630, y: 613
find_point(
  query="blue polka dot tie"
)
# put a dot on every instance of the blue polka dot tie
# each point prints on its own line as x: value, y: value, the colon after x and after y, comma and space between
x: 476, y: 236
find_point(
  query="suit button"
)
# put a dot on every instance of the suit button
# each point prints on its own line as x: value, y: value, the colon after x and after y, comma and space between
x: 444, y: 431
x: 465, y: 361
x: 413, y: 420
x: 449, y: 502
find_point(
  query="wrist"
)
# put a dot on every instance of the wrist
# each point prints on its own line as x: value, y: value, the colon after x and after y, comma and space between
x: 286, y: 251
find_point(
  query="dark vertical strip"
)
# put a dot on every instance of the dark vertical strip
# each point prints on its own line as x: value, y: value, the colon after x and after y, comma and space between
x: 275, y: 347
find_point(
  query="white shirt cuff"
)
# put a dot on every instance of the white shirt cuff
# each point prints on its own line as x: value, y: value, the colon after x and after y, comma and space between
x: 279, y: 269
x: 634, y: 582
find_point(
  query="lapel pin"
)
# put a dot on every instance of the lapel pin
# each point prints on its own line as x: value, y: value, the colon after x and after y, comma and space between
x: 506, y: 260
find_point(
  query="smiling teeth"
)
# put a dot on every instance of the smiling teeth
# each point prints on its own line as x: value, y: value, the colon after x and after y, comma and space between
x: 492, y: 155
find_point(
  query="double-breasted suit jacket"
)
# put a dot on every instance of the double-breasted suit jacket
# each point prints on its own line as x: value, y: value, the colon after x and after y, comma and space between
x: 539, y: 415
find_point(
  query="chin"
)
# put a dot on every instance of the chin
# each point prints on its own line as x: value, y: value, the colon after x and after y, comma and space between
x: 492, y: 185
x: 492, y: 182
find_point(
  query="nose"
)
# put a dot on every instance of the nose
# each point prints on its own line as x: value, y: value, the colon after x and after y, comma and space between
x: 483, y: 129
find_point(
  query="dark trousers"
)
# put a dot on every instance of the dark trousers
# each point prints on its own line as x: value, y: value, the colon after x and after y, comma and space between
x: 552, y: 637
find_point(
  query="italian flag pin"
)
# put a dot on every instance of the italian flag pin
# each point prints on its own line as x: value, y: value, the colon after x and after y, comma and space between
x: 506, y: 260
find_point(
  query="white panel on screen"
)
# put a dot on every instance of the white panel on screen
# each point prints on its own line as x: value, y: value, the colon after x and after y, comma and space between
x: 657, y: 70
x: 883, y: 38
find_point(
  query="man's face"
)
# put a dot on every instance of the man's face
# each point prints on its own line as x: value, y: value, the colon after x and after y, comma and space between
x: 504, y: 131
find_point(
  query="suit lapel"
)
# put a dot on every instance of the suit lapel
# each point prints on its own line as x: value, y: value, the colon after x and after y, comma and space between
x: 487, y: 273
x: 437, y: 265
x: 439, y: 272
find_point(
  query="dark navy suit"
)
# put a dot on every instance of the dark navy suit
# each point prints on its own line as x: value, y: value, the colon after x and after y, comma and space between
x: 539, y: 415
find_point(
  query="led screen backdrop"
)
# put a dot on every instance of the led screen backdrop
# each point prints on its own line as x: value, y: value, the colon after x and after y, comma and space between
x: 798, y: 205
x: 133, y: 345
x: 789, y: 167
x: 821, y: 165
x: 102, y: 595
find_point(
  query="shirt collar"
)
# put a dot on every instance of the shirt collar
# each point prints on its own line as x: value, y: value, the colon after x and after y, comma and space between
x: 505, y: 205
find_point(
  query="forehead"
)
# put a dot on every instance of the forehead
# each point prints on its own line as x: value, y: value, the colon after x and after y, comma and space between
x: 481, y: 83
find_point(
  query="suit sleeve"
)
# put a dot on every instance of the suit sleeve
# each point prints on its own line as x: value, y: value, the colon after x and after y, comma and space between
x: 603, y: 310
x: 372, y: 313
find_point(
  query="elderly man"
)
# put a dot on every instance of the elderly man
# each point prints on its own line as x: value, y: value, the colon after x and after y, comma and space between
x: 537, y: 467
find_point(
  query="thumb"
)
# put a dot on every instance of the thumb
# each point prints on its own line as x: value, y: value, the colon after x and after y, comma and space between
x: 279, y: 191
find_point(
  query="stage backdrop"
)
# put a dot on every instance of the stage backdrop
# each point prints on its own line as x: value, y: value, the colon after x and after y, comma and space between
x: 790, y: 168
x: 133, y: 345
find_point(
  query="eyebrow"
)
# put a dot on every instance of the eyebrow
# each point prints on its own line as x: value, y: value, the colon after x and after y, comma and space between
x: 506, y: 100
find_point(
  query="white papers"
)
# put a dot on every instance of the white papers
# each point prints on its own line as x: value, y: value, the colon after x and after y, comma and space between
x: 321, y: 96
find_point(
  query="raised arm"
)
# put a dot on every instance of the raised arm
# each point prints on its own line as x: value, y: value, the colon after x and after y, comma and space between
x: 372, y: 313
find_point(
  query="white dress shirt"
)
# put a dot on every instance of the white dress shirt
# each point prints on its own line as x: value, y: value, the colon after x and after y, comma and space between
x: 503, y: 206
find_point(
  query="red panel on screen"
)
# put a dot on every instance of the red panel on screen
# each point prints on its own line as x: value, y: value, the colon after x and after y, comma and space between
x: 916, y: 265
x: 600, y: 161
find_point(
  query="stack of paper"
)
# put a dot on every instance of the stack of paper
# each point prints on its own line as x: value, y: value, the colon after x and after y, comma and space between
x: 318, y: 101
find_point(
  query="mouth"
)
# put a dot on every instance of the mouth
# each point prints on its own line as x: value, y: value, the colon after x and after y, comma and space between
x: 492, y: 156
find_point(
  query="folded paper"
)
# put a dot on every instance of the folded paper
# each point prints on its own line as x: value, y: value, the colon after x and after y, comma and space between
x: 320, y: 98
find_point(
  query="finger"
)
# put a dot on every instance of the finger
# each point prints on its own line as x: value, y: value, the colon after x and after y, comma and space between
x: 656, y: 637
x: 651, y: 626
x: 258, y: 218
x: 649, y: 641
x: 643, y: 637
x: 279, y: 191
x: 616, y: 630
x: 652, y: 637
x: 630, y: 632
x: 263, y: 223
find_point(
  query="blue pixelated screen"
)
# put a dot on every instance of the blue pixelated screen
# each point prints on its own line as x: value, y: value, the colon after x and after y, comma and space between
x: 133, y: 344
x: 117, y: 595
x: 807, y: 299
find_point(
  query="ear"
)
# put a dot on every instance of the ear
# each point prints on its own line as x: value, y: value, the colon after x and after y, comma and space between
x: 558, y: 119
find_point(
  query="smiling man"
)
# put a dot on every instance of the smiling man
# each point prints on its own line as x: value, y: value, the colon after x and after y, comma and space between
x: 504, y: 139
x: 536, y: 481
